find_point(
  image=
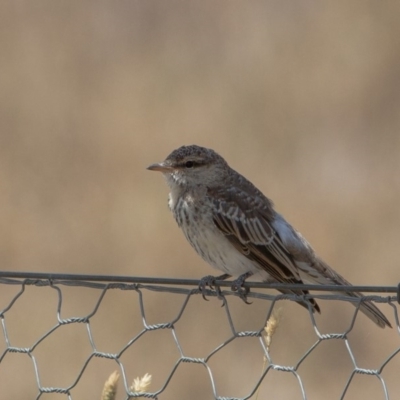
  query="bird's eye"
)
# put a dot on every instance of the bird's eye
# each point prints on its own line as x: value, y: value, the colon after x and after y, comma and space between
x: 189, y: 164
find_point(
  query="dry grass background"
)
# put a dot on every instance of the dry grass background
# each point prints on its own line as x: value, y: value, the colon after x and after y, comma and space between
x: 301, y: 97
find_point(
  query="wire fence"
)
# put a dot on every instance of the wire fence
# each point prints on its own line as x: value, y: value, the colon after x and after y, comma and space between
x: 176, y: 294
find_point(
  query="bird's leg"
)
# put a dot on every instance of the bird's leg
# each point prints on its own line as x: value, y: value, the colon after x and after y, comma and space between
x: 237, y: 286
x: 209, y: 281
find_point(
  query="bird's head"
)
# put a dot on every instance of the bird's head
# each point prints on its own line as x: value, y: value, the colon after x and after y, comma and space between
x: 192, y: 166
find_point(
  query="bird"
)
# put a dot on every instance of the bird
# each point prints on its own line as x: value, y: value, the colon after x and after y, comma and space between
x: 235, y: 228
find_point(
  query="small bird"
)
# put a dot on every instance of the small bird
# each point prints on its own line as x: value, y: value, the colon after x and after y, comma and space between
x: 236, y: 229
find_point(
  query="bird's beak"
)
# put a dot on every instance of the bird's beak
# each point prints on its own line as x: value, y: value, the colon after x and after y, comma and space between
x: 159, y: 167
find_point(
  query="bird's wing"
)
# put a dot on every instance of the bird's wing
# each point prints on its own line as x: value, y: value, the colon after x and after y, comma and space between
x: 248, y: 223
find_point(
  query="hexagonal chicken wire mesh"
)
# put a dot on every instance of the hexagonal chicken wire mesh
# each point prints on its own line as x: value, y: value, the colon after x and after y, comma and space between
x: 62, y: 335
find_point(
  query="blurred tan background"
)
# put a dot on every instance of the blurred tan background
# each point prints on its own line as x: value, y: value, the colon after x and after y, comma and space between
x: 301, y: 97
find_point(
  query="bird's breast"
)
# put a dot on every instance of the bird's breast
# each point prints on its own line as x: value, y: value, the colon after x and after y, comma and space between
x: 187, y: 211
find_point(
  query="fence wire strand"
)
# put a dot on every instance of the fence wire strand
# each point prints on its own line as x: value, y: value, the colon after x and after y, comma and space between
x: 189, y: 288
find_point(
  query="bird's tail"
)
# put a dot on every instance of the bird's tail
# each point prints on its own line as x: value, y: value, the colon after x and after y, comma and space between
x: 366, y: 307
x: 371, y: 311
x: 326, y: 275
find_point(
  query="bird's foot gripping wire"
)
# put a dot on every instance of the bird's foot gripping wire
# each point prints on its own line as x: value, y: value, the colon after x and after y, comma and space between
x: 237, y: 286
x: 209, y: 282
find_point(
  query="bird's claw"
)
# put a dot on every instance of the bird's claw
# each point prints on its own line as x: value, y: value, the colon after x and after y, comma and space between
x: 242, y: 292
x: 237, y: 286
x: 209, y: 282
